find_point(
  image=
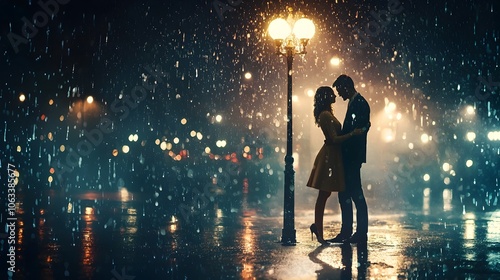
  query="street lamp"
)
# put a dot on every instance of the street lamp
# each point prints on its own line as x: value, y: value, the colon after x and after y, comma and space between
x: 290, y: 37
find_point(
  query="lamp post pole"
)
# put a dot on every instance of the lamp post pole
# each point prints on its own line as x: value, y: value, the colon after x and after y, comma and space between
x: 290, y: 40
x: 288, y: 236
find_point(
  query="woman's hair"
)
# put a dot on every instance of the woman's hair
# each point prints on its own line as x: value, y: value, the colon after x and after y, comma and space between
x: 323, y: 100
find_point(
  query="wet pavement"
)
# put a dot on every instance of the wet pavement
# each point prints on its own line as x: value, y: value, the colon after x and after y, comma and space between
x: 96, y: 235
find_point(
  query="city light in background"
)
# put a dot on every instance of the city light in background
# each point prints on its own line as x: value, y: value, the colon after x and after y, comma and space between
x: 335, y: 61
x: 494, y: 135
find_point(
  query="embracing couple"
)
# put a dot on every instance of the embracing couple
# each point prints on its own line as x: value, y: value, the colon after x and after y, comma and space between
x: 337, y: 167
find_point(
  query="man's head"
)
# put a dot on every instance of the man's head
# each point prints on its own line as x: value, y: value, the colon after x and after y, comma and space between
x: 344, y: 86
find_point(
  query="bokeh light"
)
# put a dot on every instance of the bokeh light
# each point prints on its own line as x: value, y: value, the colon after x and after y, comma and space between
x: 470, y: 110
x: 471, y: 136
x: 125, y: 149
x: 494, y: 135
x: 424, y: 138
x: 426, y: 177
x: 335, y: 61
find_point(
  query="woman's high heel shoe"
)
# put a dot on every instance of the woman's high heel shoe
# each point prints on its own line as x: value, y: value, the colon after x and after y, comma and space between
x: 314, y: 229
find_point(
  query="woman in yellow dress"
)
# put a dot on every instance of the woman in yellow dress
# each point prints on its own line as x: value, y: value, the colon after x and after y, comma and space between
x: 327, y: 174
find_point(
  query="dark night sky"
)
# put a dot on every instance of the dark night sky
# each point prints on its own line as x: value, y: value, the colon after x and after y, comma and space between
x: 447, y: 43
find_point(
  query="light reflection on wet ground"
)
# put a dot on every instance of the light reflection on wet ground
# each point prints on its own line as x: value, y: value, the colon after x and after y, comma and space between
x: 96, y: 235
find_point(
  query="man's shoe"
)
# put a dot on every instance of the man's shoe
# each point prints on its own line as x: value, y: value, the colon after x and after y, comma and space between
x: 358, y: 238
x: 340, y: 238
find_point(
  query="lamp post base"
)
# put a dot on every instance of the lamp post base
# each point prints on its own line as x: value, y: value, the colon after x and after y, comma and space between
x: 288, y: 237
x: 288, y: 232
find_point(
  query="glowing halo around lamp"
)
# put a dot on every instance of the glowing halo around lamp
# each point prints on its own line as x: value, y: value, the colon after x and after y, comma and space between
x: 291, y: 36
x: 304, y: 29
x: 279, y: 29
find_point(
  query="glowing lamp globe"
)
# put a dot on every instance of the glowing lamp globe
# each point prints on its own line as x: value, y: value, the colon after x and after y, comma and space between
x: 304, y: 29
x: 279, y: 29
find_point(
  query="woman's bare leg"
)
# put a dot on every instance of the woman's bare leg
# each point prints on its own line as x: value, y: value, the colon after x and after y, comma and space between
x: 319, y: 211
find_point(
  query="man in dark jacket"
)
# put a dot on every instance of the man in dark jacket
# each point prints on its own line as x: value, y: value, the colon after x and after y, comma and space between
x: 354, y: 155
